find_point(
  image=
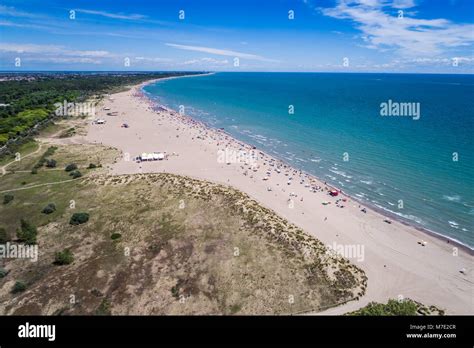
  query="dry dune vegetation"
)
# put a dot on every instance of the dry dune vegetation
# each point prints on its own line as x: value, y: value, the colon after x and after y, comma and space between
x: 157, y: 244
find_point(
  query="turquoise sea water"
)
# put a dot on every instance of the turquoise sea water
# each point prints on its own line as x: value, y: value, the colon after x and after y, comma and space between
x: 338, y: 134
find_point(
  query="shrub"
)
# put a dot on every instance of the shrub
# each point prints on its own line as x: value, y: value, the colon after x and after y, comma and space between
x: 64, y: 257
x: 43, y: 159
x: 79, y: 218
x: 70, y: 167
x: 51, y: 163
x: 3, y: 272
x: 3, y: 235
x: 50, y: 208
x: 92, y: 166
x: 8, y: 198
x: 115, y: 236
x: 27, y: 232
x: 18, y: 287
x: 75, y: 174
x: 104, y: 308
x: 393, y: 307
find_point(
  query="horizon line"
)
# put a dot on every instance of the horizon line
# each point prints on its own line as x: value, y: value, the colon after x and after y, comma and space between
x: 244, y: 71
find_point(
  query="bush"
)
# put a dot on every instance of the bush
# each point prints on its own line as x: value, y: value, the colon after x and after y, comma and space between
x: 3, y: 272
x: 51, y: 163
x: 70, y: 167
x: 92, y: 166
x: 27, y: 232
x: 104, y: 308
x: 43, y: 159
x: 8, y: 198
x: 75, y: 174
x: 115, y: 236
x: 393, y: 307
x: 79, y: 218
x: 64, y: 257
x: 18, y: 287
x: 3, y: 235
x: 50, y: 208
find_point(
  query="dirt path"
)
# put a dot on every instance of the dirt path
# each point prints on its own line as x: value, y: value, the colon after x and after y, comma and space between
x: 4, y: 168
x: 39, y: 185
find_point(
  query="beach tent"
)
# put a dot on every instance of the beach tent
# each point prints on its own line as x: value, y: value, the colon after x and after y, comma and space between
x: 333, y: 193
x: 157, y: 156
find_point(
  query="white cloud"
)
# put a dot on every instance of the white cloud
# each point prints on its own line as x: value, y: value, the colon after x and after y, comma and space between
x: 221, y: 52
x: 112, y: 15
x: 407, y: 36
x: 67, y: 60
x: 12, y: 12
x: 4, y: 23
x: 50, y: 50
x: 207, y: 60
x: 403, y: 3
x: 153, y: 59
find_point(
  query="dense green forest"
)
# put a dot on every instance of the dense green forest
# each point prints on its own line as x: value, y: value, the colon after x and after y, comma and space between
x: 26, y: 100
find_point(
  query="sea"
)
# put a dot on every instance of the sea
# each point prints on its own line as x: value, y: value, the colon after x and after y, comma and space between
x: 401, y: 143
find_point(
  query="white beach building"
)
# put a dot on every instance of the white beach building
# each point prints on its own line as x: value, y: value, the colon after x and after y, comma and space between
x: 155, y: 156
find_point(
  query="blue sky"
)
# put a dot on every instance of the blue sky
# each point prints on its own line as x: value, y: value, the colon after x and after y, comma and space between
x: 243, y: 35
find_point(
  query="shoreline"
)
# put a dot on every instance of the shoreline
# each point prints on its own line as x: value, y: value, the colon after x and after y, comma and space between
x: 394, y: 261
x: 387, y: 214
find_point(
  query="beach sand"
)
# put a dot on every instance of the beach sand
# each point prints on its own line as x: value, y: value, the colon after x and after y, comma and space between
x: 396, y: 264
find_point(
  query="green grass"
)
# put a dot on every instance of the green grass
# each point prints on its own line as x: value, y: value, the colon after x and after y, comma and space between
x: 23, y: 149
x: 190, y: 250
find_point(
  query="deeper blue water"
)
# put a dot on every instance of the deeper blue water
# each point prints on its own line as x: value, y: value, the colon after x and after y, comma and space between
x: 404, y: 166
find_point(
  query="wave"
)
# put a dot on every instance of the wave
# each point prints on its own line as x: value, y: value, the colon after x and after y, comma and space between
x: 341, y: 173
x: 454, y: 198
x: 406, y: 216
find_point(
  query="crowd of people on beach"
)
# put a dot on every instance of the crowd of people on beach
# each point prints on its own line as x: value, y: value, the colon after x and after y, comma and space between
x: 262, y: 166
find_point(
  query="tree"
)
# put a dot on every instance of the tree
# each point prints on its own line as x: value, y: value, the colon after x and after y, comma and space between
x: 70, y: 167
x: 79, y: 218
x: 50, y: 208
x: 27, y: 232
x: 75, y: 174
x: 8, y: 198
x: 50, y: 163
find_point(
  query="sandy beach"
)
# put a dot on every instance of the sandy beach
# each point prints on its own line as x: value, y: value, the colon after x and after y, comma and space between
x: 399, y: 260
